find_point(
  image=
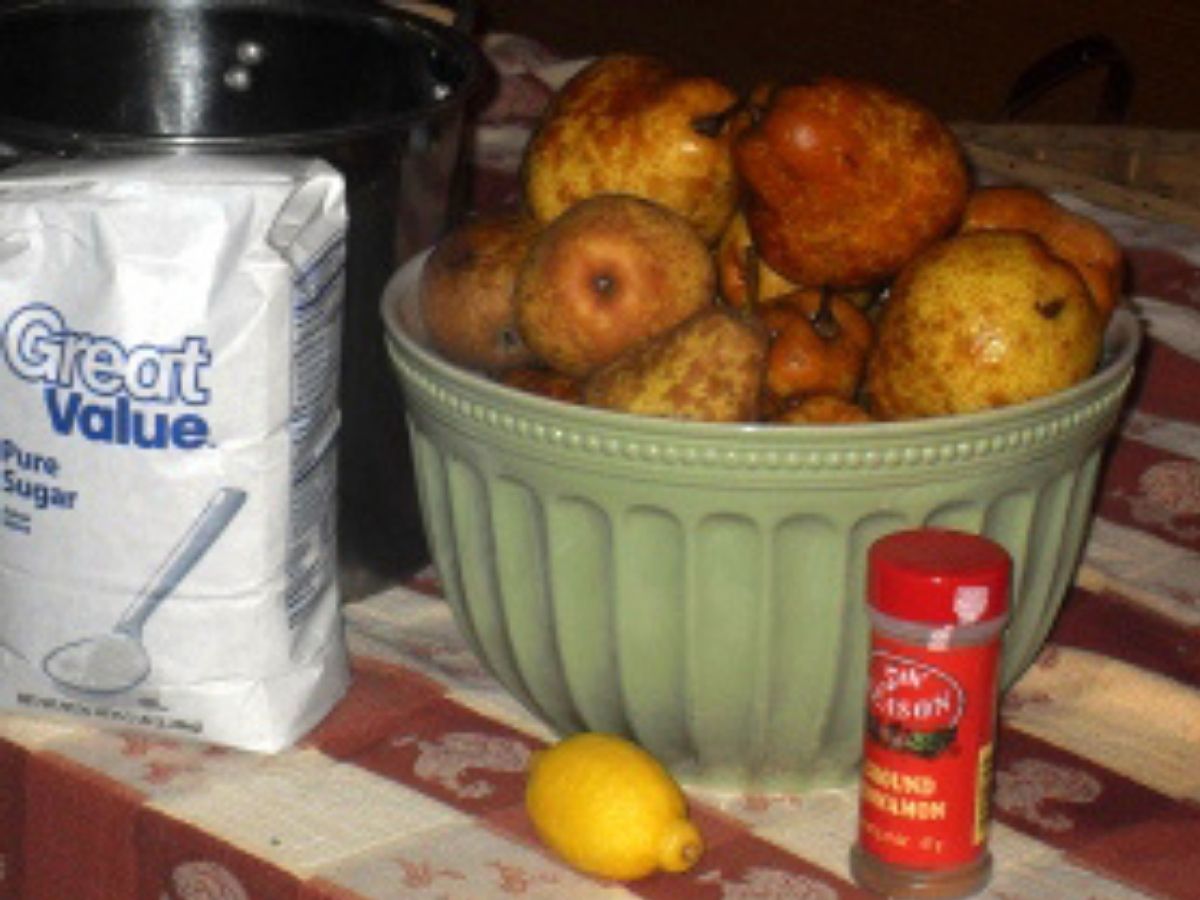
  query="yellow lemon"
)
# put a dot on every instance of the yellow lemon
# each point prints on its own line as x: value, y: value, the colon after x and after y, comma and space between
x: 609, y: 808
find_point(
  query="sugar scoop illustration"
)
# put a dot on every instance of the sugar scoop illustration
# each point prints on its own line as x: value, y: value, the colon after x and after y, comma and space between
x: 116, y: 662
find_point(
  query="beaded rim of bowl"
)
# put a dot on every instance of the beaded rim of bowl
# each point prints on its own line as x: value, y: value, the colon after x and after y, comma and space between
x: 976, y: 438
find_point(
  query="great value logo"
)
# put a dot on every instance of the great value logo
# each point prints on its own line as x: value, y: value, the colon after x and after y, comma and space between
x: 96, y: 387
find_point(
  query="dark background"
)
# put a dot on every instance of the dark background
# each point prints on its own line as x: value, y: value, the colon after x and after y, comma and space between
x: 959, y: 57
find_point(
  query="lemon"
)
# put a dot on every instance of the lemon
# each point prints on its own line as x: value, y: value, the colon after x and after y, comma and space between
x: 609, y: 808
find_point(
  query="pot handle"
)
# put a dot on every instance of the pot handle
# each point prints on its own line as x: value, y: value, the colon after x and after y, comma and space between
x: 1066, y: 62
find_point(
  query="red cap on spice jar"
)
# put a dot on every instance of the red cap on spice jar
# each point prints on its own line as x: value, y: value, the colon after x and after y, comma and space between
x: 937, y: 576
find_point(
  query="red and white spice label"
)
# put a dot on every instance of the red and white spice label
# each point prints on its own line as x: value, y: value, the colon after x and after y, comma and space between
x: 927, y: 762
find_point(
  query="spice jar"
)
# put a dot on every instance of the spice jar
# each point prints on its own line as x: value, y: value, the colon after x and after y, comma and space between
x: 938, y: 602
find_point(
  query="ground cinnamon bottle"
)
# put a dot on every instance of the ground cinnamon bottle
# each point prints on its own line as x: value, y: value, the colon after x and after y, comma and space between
x: 938, y: 602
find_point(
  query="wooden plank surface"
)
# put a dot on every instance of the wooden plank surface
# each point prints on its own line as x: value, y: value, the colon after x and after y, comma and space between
x: 1150, y: 173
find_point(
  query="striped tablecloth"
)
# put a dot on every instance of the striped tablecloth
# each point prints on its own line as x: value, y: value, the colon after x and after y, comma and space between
x: 412, y: 788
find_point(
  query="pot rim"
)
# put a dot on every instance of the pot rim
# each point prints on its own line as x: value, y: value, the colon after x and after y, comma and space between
x: 22, y: 133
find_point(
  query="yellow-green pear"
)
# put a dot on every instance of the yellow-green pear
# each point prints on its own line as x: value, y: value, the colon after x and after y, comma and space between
x: 630, y: 124
x: 609, y: 273
x: 708, y: 368
x: 978, y: 321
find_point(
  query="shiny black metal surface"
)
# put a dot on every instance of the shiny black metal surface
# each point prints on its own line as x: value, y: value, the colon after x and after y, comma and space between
x: 98, y: 74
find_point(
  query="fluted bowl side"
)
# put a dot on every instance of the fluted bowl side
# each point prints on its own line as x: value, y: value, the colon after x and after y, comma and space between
x: 699, y: 587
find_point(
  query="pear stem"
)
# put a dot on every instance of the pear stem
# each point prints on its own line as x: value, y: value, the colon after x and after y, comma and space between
x: 712, y: 124
x: 824, y: 322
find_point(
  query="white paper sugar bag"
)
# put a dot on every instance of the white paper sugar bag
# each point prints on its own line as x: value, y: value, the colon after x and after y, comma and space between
x: 170, y: 332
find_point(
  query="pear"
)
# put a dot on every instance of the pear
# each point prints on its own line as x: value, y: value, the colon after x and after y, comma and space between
x: 981, y: 320
x: 609, y: 273
x: 708, y: 368
x: 1075, y: 238
x: 466, y: 292
x: 846, y: 180
x: 821, y: 409
x: 543, y: 382
x: 630, y: 124
x: 742, y: 276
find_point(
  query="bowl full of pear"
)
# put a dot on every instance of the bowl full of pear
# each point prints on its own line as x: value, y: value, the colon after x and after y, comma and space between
x: 650, y: 484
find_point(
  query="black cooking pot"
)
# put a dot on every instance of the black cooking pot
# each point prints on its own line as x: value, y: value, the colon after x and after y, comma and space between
x: 381, y: 94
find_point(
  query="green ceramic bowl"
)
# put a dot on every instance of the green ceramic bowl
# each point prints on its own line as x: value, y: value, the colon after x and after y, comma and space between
x: 699, y: 587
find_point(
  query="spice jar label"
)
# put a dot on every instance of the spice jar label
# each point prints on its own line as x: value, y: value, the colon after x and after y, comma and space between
x: 927, y: 762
